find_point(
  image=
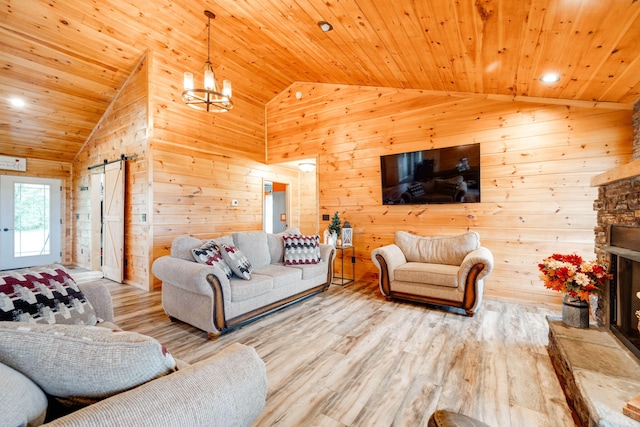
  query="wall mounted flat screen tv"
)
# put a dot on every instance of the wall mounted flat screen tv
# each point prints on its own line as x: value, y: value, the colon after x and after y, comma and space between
x: 441, y: 175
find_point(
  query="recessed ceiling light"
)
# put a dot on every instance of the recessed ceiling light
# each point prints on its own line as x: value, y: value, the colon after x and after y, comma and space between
x: 325, y: 26
x: 550, y: 78
x: 17, y: 102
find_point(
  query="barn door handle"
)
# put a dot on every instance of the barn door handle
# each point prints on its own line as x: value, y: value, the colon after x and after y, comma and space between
x: 6, y: 229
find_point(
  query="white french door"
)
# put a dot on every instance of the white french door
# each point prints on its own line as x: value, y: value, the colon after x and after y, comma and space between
x: 30, y: 229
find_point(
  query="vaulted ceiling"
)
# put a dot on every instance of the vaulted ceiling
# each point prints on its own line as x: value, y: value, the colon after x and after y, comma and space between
x: 67, y: 59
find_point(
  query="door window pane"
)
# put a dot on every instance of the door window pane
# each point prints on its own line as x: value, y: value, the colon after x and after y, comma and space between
x: 31, y: 219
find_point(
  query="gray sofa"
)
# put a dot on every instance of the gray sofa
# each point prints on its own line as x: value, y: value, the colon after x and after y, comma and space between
x: 203, y: 296
x: 442, y: 270
x: 228, y: 388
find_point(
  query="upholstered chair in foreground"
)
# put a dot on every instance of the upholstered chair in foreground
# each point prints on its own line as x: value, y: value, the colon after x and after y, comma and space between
x: 444, y: 270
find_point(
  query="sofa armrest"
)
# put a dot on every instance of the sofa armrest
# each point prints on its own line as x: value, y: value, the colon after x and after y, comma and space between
x: 327, y: 253
x: 482, y: 256
x: 100, y: 298
x: 190, y: 275
x: 387, y: 259
x: 227, y: 389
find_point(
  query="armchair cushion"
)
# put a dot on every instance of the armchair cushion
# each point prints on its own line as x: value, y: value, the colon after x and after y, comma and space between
x: 436, y: 274
x: 449, y: 250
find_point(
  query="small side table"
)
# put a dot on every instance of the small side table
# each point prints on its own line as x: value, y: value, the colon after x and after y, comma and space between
x: 342, y: 279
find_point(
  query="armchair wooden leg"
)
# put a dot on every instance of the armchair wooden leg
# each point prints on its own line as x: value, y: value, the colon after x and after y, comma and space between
x: 214, y: 336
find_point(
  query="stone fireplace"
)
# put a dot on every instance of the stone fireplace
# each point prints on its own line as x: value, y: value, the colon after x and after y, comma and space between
x: 624, y: 291
x: 618, y: 209
x: 599, y: 367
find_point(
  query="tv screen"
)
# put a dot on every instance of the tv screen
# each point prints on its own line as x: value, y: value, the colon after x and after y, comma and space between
x: 441, y: 175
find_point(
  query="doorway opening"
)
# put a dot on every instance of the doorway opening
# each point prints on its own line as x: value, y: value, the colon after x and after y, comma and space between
x: 275, y: 218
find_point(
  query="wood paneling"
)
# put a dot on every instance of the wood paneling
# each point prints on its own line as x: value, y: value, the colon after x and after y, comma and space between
x: 537, y: 161
x: 68, y: 60
x: 192, y: 193
x: 122, y: 131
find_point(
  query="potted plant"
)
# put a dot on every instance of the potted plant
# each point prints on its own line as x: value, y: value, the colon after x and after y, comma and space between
x: 335, y: 227
x: 577, y: 279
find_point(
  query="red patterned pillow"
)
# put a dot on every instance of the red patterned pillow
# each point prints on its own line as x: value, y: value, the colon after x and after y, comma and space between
x: 209, y: 253
x: 46, y: 295
x: 237, y: 261
x: 299, y: 249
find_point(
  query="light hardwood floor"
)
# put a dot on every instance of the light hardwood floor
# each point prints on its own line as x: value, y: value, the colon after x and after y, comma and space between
x: 349, y: 358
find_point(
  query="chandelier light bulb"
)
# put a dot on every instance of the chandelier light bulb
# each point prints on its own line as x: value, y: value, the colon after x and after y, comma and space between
x: 208, y: 80
x: 188, y: 81
x: 226, y: 88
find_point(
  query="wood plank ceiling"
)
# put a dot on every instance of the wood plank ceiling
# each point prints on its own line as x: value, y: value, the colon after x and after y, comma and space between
x: 68, y: 58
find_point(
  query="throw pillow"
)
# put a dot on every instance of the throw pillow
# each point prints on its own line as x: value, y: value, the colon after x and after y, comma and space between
x: 416, y: 190
x: 209, y: 254
x: 301, y: 249
x: 22, y: 403
x: 237, y: 261
x: 80, y: 365
x: 43, y: 295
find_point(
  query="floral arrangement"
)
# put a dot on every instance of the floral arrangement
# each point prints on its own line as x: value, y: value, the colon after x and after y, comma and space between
x: 574, y: 276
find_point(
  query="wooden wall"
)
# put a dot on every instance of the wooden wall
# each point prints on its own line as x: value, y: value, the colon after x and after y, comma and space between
x: 122, y: 129
x: 56, y: 170
x: 536, y: 164
x: 201, y: 161
x: 193, y: 193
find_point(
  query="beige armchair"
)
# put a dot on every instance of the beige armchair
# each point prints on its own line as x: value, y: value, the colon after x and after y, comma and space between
x: 446, y: 270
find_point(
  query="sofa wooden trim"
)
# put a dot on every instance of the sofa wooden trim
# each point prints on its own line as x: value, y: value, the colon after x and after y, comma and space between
x: 225, y: 326
x: 467, y: 303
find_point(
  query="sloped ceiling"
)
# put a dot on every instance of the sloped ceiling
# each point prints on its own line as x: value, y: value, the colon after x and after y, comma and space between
x: 67, y: 59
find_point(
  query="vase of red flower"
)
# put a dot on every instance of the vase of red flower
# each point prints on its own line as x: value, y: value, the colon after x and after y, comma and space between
x: 577, y: 279
x: 575, y: 312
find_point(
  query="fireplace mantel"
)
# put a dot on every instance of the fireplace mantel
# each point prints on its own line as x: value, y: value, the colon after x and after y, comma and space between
x: 628, y: 170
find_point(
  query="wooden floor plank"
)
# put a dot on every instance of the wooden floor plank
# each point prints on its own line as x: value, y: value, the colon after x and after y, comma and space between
x: 348, y: 357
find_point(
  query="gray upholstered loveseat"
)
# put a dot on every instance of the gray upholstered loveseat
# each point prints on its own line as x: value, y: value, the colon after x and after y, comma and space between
x: 206, y: 297
x: 446, y: 270
x: 84, y: 375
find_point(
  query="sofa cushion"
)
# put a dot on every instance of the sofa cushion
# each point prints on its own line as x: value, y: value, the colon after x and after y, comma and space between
x: 254, y: 246
x: 237, y: 261
x: 432, y: 274
x: 209, y: 254
x: 281, y: 275
x: 181, y: 247
x: 22, y: 403
x: 309, y: 271
x: 242, y: 290
x: 80, y: 365
x: 437, y: 250
x: 43, y: 295
x: 300, y: 249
